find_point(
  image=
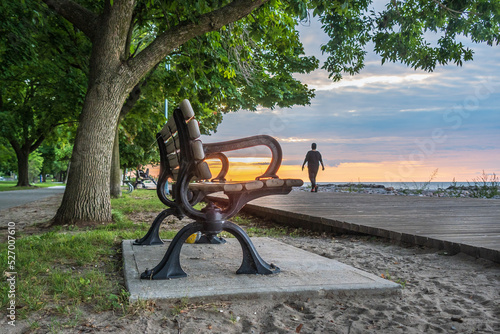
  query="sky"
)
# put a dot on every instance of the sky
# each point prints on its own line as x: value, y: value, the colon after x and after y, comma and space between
x: 389, y: 123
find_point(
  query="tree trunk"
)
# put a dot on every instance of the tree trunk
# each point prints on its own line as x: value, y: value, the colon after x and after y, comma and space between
x: 66, y: 173
x: 115, y: 181
x: 22, y: 168
x: 87, y: 195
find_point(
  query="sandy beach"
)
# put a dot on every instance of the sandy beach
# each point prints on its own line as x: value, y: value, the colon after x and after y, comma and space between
x: 440, y: 294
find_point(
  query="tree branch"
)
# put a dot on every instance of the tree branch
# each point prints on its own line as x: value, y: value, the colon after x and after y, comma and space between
x: 15, y: 145
x: 186, y: 30
x: 129, y: 38
x: 53, y: 126
x: 134, y: 95
x: 453, y: 11
x: 79, y: 16
x: 37, y: 143
x: 43, y: 133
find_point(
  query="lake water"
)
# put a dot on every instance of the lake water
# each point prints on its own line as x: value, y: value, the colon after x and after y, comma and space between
x: 404, y: 185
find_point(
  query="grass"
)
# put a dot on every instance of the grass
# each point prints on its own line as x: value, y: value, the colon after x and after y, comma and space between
x: 128, y: 203
x: 419, y: 188
x: 11, y: 185
x: 61, y: 270
x: 181, y: 306
x: 234, y: 319
x: 453, y: 190
x: 66, y: 268
x: 399, y: 281
x: 485, y: 186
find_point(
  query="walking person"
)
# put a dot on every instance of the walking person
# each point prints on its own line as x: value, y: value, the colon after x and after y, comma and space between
x: 313, y: 158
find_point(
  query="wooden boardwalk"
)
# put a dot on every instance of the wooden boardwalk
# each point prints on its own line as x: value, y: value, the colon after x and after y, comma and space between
x: 467, y: 225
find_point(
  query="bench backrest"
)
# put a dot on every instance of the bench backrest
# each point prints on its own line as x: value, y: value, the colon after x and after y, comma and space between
x: 180, y: 145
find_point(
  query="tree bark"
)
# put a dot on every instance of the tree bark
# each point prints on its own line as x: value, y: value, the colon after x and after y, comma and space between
x: 23, y: 157
x: 87, y: 195
x: 22, y: 168
x: 66, y: 173
x: 115, y: 181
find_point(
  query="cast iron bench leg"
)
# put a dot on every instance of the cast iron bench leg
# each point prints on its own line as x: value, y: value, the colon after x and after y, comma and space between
x: 170, y: 266
x: 211, y: 239
x: 153, y: 235
x: 252, y: 262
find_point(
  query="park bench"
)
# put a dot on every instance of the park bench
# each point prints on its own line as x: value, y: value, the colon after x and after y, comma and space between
x: 183, y: 159
x: 142, y: 176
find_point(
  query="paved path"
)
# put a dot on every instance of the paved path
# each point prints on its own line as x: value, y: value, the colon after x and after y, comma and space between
x: 9, y: 199
x: 456, y: 225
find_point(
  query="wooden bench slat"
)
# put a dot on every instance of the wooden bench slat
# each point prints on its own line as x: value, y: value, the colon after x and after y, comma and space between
x: 168, y: 129
x: 187, y: 110
x: 204, y: 171
x: 172, y: 144
x: 171, y: 125
x: 175, y: 174
x: 173, y: 160
x: 252, y: 185
x: 210, y: 187
x: 275, y: 183
x: 197, y: 149
x: 165, y: 133
x: 194, y: 129
x: 294, y: 182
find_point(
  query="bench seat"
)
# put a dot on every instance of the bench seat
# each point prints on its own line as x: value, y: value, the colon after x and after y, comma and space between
x: 212, y: 187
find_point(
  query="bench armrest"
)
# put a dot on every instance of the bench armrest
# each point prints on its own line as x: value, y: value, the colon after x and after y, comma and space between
x: 238, y: 144
x: 221, y: 177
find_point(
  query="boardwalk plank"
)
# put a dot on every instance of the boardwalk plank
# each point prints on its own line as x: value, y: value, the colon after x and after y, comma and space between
x: 465, y: 224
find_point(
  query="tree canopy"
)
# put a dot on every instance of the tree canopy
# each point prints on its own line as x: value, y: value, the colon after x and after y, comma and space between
x: 221, y: 71
x: 418, y: 33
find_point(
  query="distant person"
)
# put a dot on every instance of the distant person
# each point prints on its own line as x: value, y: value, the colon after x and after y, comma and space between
x: 313, y: 158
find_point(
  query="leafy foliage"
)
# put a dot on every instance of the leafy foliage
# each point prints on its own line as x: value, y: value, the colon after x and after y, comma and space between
x: 56, y: 150
x: 42, y: 70
x: 241, y: 66
x: 35, y: 165
x: 7, y: 158
x: 138, y: 133
x: 419, y: 33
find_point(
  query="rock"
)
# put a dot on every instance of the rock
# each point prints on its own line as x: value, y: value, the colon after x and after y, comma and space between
x: 361, y: 188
